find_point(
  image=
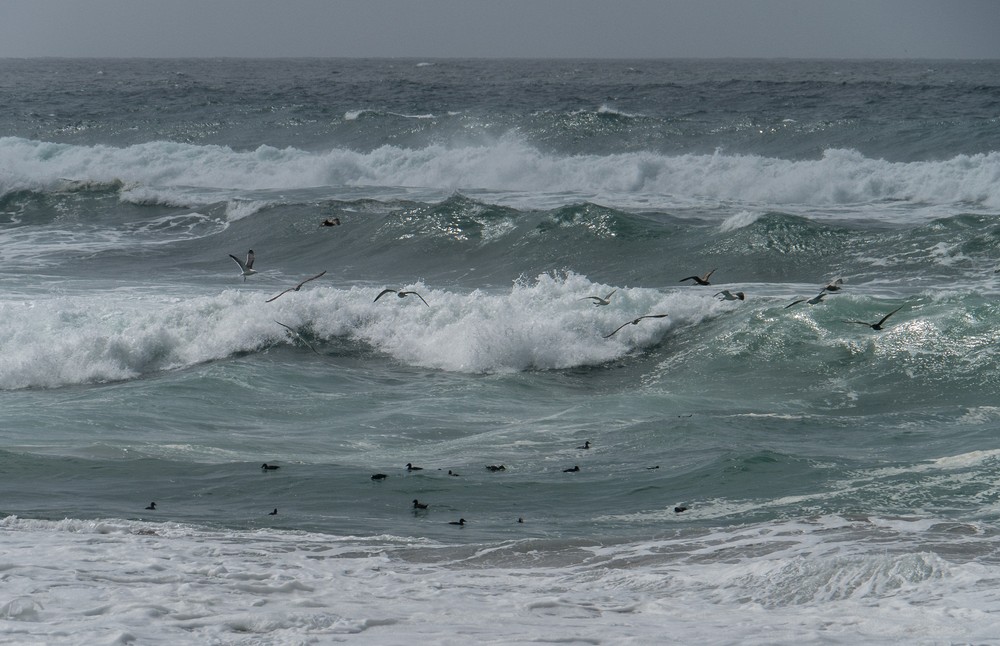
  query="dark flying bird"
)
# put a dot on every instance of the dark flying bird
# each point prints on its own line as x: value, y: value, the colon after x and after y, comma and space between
x: 700, y: 280
x: 294, y: 289
x: 834, y: 286
x: 400, y: 294
x: 598, y: 301
x: 246, y: 268
x: 636, y: 322
x: 296, y: 335
x: 878, y: 326
x: 812, y: 301
x: 731, y: 296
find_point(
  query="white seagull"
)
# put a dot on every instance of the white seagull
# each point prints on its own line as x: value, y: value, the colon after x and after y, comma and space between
x: 635, y: 322
x: 296, y: 288
x: 598, y: 301
x: 294, y: 333
x: 400, y: 294
x: 246, y: 268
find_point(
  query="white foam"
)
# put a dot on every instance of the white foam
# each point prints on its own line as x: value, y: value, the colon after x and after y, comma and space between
x: 840, y: 178
x: 782, y: 583
x: 48, y: 341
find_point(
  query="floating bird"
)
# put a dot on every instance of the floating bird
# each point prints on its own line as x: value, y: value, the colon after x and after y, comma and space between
x: 700, y: 280
x: 585, y: 445
x: 152, y: 505
x: 460, y: 521
x: 452, y: 473
x: 495, y: 467
x: 273, y: 513
x: 878, y: 326
x: 269, y: 467
x: 331, y: 222
x: 419, y: 505
x: 410, y: 467
x: 598, y: 301
x: 731, y: 296
x: 400, y: 294
x: 296, y: 335
x: 651, y: 468
x: 379, y: 476
x: 680, y: 509
x: 635, y: 322
x: 520, y: 519
x: 812, y: 301
x: 246, y: 268
x: 572, y: 470
x: 294, y: 289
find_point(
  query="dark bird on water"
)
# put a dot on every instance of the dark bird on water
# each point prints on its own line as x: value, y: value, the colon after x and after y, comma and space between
x: 585, y: 445
x: 419, y: 505
x: 680, y: 509
x: 400, y: 294
x: 572, y: 470
x: 269, y: 467
x: 331, y: 222
x: 878, y: 325
x: 273, y: 513
x: 635, y: 322
x: 152, y: 505
x: 460, y: 521
x: 700, y: 280
x: 452, y: 473
x: 296, y: 288
x: 410, y: 467
x: 246, y: 268
x: 598, y: 301
x: 379, y: 476
x: 495, y: 467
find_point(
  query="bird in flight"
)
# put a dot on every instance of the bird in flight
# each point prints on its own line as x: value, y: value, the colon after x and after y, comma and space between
x: 834, y: 285
x: 635, y: 322
x: 296, y: 335
x: 878, y: 326
x: 812, y: 301
x: 246, y: 268
x: 598, y: 301
x: 731, y: 296
x: 400, y: 294
x: 700, y: 280
x: 296, y: 288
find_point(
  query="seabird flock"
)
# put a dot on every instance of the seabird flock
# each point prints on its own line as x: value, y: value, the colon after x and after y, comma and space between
x: 246, y: 269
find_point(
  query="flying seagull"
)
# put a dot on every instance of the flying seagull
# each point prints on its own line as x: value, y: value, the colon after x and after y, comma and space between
x: 878, y: 326
x: 598, y: 301
x: 731, y: 296
x: 296, y: 335
x: 812, y: 301
x: 246, y: 268
x: 399, y: 293
x: 834, y: 285
x: 701, y: 280
x: 296, y: 288
x: 635, y: 322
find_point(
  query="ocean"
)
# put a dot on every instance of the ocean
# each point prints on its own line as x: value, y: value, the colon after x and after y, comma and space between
x: 759, y: 470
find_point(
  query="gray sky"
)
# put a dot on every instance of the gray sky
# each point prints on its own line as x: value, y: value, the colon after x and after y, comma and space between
x: 502, y: 28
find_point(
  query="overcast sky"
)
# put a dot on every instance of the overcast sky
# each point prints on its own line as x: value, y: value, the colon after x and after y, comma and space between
x: 502, y: 28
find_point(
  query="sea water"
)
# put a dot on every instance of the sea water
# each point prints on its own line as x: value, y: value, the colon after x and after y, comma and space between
x: 757, y: 473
